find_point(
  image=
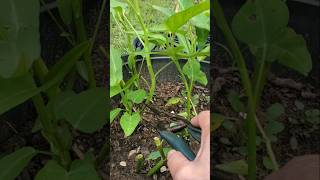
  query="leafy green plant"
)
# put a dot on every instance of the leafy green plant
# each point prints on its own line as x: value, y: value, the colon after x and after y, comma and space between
x: 190, y: 25
x: 263, y: 27
x: 25, y: 76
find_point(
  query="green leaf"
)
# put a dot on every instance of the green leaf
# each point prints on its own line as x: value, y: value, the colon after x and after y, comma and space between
x: 115, y: 67
x: 291, y: 51
x: 193, y: 71
x: 274, y: 111
x: 156, y: 154
x: 67, y: 62
x: 12, y: 164
x: 114, y: 113
x: 165, y: 11
x: 235, y: 101
x: 217, y: 120
x: 82, y: 70
x: 20, y: 42
x: 259, y: 21
x: 86, y: 111
x: 129, y: 122
x: 114, y: 90
x: 15, y: 91
x: 273, y: 128
x: 137, y: 96
x: 76, y: 8
x: 173, y: 101
x: 65, y: 10
x: 234, y: 167
x: 177, y: 20
x: 80, y: 169
x: 267, y: 163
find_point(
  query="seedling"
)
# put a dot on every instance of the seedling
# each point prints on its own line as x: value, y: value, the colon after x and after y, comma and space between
x: 191, y: 27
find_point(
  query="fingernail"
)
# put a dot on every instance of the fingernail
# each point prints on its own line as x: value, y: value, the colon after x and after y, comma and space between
x: 171, y: 152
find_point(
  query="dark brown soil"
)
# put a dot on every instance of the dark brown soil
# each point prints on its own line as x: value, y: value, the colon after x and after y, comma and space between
x: 142, y: 138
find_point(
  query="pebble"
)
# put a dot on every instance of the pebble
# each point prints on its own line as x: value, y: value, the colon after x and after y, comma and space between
x: 163, y: 169
x: 172, y: 112
x: 132, y: 152
x: 123, y: 163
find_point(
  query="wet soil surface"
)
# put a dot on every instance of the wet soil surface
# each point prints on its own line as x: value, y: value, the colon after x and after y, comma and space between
x: 141, y: 141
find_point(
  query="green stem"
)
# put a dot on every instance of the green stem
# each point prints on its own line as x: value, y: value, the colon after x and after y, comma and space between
x: 185, y: 82
x: 222, y: 24
x: 58, y: 24
x: 146, y: 49
x: 81, y: 37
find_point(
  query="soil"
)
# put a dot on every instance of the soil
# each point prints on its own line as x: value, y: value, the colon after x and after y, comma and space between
x: 142, y: 139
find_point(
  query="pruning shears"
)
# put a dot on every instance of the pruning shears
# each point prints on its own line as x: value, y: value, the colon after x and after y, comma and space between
x: 178, y: 143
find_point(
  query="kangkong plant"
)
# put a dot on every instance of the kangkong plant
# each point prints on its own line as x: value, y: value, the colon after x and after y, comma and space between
x: 25, y: 76
x: 190, y: 26
x: 263, y: 27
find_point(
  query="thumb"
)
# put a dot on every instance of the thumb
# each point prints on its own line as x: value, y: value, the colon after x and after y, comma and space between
x: 176, y: 162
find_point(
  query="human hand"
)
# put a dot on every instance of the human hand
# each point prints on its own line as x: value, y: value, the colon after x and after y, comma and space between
x: 198, y: 169
x: 305, y: 167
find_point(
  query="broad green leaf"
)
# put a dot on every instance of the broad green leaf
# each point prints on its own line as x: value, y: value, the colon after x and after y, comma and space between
x: 165, y: 11
x: 234, y: 167
x: 86, y: 111
x: 136, y: 96
x: 15, y: 91
x: 20, y: 42
x: 173, y: 101
x: 114, y: 90
x: 259, y: 21
x: 291, y: 50
x: 235, y: 101
x: 193, y: 71
x: 129, y: 122
x: 177, y: 20
x: 114, y: 113
x: 65, y: 10
x: 80, y: 169
x: 12, y: 164
x: 274, y: 111
x: 156, y: 154
x: 202, y: 37
x: 115, y: 67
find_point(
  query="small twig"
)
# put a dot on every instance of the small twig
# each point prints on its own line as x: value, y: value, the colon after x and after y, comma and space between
x: 13, y: 129
x: 268, y: 145
x: 77, y: 151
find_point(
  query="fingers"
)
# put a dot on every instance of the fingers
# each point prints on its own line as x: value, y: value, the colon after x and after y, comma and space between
x: 202, y: 120
x: 176, y: 162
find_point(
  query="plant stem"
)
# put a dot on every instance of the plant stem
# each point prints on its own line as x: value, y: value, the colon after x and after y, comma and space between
x: 146, y: 49
x: 222, y: 23
x: 58, y: 24
x: 185, y: 82
x: 268, y: 145
x: 81, y: 37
